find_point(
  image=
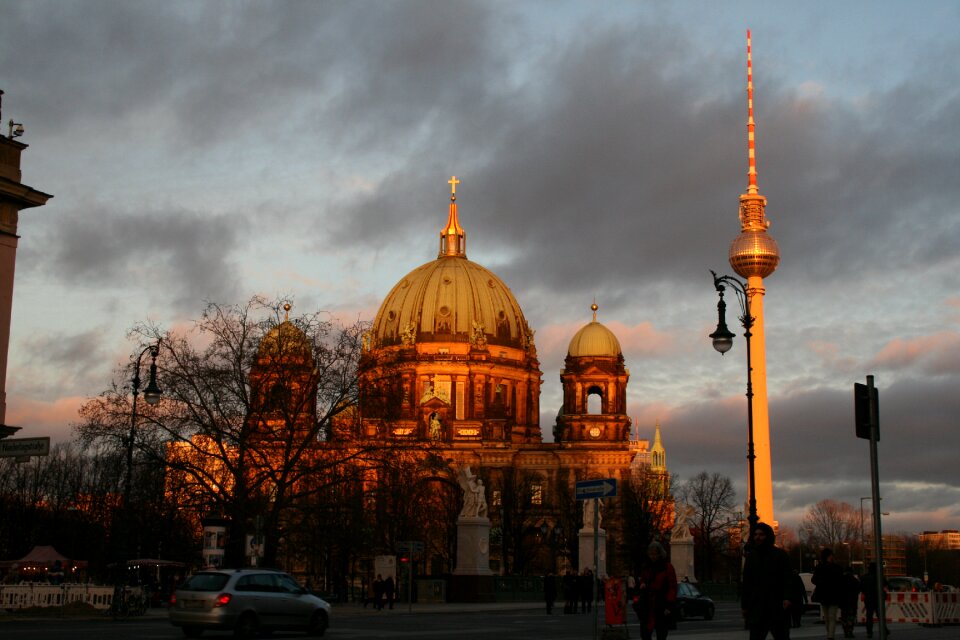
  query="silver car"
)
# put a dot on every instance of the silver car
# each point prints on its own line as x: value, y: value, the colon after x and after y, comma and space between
x: 246, y: 601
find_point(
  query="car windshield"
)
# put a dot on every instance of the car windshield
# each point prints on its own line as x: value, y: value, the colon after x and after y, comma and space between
x: 206, y: 582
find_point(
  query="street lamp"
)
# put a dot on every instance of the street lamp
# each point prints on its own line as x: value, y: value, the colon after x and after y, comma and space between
x: 863, y: 540
x: 152, y: 395
x: 723, y: 342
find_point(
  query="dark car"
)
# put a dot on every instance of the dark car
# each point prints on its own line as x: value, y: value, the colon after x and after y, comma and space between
x: 693, y: 604
x: 247, y: 602
x: 906, y: 583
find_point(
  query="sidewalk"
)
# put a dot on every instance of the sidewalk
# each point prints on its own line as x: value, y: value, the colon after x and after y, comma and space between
x: 810, y: 630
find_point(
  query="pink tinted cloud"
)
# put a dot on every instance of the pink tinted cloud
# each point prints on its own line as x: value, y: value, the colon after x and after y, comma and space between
x: 936, y: 354
x: 38, y: 418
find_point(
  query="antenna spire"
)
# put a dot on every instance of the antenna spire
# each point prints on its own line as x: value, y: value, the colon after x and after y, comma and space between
x: 751, y: 125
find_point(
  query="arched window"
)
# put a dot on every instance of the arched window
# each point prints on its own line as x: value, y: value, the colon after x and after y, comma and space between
x: 594, y: 400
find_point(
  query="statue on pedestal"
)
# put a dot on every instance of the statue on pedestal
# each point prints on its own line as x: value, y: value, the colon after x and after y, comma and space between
x: 681, y: 527
x: 474, y: 497
x: 588, y: 511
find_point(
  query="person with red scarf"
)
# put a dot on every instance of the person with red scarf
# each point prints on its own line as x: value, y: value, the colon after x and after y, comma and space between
x: 657, y: 588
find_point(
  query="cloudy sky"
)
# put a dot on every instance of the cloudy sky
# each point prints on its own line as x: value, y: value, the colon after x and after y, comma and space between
x: 213, y: 150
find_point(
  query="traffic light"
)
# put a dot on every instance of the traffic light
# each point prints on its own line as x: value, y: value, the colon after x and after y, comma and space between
x: 404, y: 559
x: 862, y: 401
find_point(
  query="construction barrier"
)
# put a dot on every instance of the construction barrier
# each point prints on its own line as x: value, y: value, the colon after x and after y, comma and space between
x: 923, y: 607
x: 946, y: 607
x: 25, y: 596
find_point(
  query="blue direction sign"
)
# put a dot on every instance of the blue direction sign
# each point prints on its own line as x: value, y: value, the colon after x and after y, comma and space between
x: 602, y: 488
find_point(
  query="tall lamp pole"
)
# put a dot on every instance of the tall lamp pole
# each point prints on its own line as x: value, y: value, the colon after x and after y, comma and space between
x: 152, y: 395
x: 723, y: 342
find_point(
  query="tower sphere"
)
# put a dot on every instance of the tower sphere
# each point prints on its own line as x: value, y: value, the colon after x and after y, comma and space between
x: 754, y: 253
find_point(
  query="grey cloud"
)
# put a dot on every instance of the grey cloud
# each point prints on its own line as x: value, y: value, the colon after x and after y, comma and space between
x: 181, y: 256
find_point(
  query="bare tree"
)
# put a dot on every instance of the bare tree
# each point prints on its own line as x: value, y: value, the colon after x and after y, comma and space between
x: 712, y: 497
x: 831, y: 524
x: 247, y: 397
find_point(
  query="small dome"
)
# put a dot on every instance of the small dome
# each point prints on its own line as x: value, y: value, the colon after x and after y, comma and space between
x: 594, y: 340
x: 285, y: 339
x: 754, y: 253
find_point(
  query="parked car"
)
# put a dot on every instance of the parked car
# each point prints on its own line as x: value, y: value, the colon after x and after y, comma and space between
x: 247, y: 602
x: 906, y: 583
x: 692, y: 603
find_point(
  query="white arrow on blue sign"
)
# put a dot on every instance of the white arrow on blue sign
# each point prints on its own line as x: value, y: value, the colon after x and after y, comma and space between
x: 602, y: 488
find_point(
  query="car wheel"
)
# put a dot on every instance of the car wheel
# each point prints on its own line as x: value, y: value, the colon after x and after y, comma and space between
x: 246, y: 626
x: 192, y: 632
x: 708, y: 614
x: 318, y: 624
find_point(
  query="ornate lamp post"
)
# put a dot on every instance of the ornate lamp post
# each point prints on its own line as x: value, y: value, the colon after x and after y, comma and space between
x: 152, y: 395
x: 723, y: 342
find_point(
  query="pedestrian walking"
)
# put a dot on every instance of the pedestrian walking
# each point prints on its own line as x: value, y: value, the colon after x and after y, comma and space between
x: 657, y: 594
x: 389, y: 591
x: 849, y: 596
x: 550, y: 591
x: 765, y: 600
x: 828, y: 580
x: 585, y: 589
x: 570, y: 592
x: 868, y: 587
x: 378, y: 593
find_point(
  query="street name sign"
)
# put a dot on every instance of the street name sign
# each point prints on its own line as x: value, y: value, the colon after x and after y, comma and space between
x: 19, y: 447
x: 602, y: 488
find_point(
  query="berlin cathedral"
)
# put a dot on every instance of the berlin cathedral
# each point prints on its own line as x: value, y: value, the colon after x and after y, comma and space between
x: 449, y: 377
x: 451, y: 346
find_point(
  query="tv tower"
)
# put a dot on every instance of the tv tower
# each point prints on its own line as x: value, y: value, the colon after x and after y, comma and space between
x: 754, y: 255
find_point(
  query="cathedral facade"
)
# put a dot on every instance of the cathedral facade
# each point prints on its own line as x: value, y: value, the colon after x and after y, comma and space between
x: 450, y: 364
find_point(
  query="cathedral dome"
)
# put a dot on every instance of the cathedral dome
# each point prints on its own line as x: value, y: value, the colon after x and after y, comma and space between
x: 285, y: 339
x: 594, y: 339
x: 450, y: 299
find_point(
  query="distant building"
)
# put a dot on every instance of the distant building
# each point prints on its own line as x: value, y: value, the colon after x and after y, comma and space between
x: 946, y: 540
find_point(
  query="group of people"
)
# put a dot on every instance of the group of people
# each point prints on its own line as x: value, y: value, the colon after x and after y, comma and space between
x: 382, y: 593
x: 578, y: 590
x: 838, y: 591
x: 770, y: 590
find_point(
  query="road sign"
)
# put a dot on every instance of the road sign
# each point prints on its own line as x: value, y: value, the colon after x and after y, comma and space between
x: 410, y: 546
x: 602, y: 488
x: 18, y: 447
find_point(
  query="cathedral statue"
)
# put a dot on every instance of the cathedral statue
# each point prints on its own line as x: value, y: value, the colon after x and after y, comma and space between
x: 681, y: 527
x: 478, y: 337
x: 474, y: 497
x: 589, y: 508
x: 435, y: 426
x: 409, y: 334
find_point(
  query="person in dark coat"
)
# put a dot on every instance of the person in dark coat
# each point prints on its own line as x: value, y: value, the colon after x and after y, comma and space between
x: 798, y: 599
x: 570, y: 592
x: 850, y: 596
x: 765, y: 597
x: 828, y: 580
x: 868, y: 587
x: 585, y: 588
x: 657, y: 591
x: 389, y: 591
x: 550, y: 591
x: 378, y: 593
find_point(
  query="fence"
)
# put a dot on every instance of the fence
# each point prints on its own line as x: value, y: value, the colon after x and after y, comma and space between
x: 28, y: 595
x: 921, y: 607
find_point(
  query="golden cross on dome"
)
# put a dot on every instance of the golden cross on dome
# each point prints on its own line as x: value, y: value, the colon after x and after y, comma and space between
x: 453, y: 182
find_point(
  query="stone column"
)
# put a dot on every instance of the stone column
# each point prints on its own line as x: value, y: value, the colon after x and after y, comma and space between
x: 472, y: 579
x: 681, y: 557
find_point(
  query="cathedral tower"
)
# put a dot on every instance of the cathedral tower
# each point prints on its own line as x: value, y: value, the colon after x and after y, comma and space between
x: 594, y: 382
